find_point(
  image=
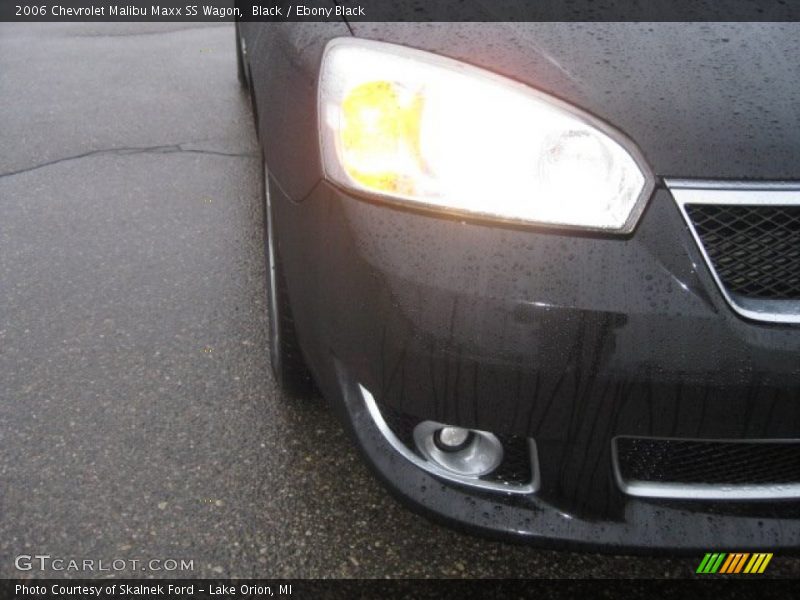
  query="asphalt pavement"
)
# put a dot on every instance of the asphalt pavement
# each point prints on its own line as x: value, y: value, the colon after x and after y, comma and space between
x: 138, y: 416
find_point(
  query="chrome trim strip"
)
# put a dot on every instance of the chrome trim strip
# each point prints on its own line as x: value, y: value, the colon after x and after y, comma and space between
x: 698, y: 491
x: 728, y: 186
x: 739, y: 194
x: 703, y: 491
x: 405, y: 452
x: 776, y: 311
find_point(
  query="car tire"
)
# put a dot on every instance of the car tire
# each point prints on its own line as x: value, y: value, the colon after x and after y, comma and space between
x: 240, y: 67
x: 286, y: 359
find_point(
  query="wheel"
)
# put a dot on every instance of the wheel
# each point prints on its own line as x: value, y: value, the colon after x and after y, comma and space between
x: 288, y: 366
x: 240, y: 68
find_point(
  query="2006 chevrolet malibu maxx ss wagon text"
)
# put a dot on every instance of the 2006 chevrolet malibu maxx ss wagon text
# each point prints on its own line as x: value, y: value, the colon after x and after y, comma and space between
x: 549, y: 274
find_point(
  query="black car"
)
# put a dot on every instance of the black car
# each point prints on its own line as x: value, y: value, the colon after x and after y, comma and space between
x: 548, y: 273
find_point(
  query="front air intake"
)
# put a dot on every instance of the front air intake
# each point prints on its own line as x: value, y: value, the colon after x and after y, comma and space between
x: 707, y: 469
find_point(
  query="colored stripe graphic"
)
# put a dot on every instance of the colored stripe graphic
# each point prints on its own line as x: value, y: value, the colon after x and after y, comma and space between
x: 727, y: 564
x: 755, y: 562
x: 742, y: 560
x: 711, y: 562
x: 715, y: 566
x: 703, y: 564
x: 764, y: 564
x: 734, y: 563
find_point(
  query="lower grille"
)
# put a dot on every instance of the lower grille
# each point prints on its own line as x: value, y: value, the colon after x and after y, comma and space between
x: 755, y: 250
x: 708, y: 468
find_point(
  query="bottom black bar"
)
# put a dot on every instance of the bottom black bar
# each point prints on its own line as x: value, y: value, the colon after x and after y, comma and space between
x: 75, y: 589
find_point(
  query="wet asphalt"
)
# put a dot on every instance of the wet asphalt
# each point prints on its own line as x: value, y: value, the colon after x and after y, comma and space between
x: 138, y: 417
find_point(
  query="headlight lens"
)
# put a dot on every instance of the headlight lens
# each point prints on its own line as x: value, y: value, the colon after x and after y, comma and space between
x: 412, y: 126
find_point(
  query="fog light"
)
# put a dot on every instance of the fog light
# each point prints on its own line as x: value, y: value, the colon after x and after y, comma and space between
x: 452, y: 439
x: 465, y: 452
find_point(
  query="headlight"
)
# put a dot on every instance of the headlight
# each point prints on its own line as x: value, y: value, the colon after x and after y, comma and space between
x: 415, y: 127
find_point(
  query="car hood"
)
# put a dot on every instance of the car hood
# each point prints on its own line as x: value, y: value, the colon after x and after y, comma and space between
x: 702, y: 100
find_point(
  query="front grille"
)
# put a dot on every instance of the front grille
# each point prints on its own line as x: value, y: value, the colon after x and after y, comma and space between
x: 515, y: 469
x: 755, y: 250
x: 708, y: 462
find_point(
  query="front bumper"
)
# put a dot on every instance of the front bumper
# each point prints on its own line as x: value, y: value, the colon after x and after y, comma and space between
x: 568, y: 339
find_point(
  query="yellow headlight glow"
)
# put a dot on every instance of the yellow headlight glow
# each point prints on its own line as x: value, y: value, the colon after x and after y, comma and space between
x: 379, y: 136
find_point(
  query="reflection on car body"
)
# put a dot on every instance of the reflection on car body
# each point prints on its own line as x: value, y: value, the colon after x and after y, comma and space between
x: 550, y: 282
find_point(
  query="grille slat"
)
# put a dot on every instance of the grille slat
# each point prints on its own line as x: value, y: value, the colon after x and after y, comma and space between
x: 755, y: 250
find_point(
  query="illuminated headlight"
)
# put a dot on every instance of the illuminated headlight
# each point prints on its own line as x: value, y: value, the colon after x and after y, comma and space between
x: 414, y: 127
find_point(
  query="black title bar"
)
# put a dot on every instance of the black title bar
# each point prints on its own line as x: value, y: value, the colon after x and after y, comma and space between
x: 398, y: 10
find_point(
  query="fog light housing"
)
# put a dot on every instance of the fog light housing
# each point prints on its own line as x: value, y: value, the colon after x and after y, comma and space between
x: 513, y: 467
x: 465, y: 452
